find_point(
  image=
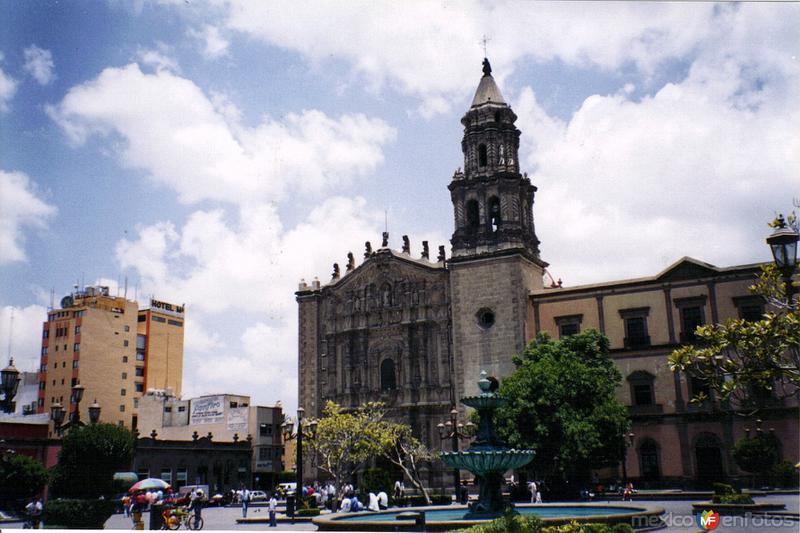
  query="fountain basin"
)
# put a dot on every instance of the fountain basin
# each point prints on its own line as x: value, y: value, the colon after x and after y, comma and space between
x: 484, y: 401
x: 445, y: 518
x: 486, y: 461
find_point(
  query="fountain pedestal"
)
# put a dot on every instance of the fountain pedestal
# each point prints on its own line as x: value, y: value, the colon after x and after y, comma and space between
x: 488, y: 458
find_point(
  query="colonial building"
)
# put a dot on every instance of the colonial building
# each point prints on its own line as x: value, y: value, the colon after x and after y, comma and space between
x: 416, y: 333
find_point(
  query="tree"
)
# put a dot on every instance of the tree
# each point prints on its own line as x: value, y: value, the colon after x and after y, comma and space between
x: 20, y: 476
x: 343, y: 441
x: 562, y: 405
x: 88, y: 459
x: 405, y: 451
x: 757, y: 455
x: 750, y: 362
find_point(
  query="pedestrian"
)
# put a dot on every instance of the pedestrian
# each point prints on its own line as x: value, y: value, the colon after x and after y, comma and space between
x: 397, y: 492
x: 245, y: 501
x: 464, y: 496
x: 34, y: 510
x: 126, y: 505
x: 196, y: 505
x: 273, y: 507
x: 534, y: 491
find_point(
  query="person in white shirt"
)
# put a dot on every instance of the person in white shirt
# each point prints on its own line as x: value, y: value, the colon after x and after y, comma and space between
x: 245, y: 501
x: 373, y: 502
x: 273, y: 507
x: 345, y: 508
x: 532, y: 487
x: 383, y: 500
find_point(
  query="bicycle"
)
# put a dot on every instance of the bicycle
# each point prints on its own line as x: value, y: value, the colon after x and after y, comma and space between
x: 175, y: 518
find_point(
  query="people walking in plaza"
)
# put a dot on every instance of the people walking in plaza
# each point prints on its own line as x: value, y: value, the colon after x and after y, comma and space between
x: 34, y: 511
x: 273, y: 508
x: 245, y: 501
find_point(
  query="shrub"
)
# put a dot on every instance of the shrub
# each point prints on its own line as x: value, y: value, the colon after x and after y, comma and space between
x: 514, y: 523
x: 574, y: 527
x: 738, y: 499
x: 78, y: 514
x: 757, y: 455
x: 785, y: 475
x: 308, y: 512
x: 21, y: 476
x: 722, y: 489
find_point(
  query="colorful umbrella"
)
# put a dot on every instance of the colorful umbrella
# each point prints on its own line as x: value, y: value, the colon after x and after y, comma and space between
x: 150, y: 483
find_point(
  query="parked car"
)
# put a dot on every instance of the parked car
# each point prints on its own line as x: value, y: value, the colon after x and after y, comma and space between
x: 288, y: 488
x: 258, y: 496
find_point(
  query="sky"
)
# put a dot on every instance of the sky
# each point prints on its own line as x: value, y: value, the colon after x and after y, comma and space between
x: 216, y: 153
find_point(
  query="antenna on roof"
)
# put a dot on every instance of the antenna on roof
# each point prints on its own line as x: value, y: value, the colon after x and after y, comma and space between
x: 125, y: 295
x: 52, y: 298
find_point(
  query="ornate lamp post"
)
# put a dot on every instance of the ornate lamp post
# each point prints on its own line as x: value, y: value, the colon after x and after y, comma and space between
x: 77, y: 396
x: 94, y: 412
x: 453, y: 429
x: 297, y: 434
x: 9, y: 381
x: 783, y: 243
x: 627, y: 441
x: 57, y: 414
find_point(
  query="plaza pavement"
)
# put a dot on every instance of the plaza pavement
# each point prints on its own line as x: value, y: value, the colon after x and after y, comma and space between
x: 678, y: 516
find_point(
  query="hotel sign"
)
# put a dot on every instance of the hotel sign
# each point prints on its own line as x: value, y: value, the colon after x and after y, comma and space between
x: 208, y: 410
x: 166, y: 308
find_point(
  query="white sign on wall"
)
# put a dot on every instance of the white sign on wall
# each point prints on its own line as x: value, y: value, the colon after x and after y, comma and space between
x: 208, y: 410
x: 237, y: 419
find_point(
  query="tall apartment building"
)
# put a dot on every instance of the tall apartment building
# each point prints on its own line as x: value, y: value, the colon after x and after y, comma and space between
x: 111, y: 347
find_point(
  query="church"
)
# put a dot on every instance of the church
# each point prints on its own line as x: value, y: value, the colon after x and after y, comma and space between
x: 415, y: 332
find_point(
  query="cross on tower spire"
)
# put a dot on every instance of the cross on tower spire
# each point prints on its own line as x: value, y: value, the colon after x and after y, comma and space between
x: 483, y: 42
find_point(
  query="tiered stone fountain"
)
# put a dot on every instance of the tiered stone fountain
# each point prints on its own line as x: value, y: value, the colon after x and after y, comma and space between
x: 488, y: 458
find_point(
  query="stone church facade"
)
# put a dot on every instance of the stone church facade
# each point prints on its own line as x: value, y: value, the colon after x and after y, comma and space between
x: 415, y: 333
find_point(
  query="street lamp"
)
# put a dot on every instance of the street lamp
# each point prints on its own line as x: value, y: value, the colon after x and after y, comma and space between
x: 783, y: 243
x: 77, y: 396
x: 453, y: 429
x: 627, y: 441
x: 57, y: 414
x: 297, y: 434
x: 9, y: 381
x: 94, y: 412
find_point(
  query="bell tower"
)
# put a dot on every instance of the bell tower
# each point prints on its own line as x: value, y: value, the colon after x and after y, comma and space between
x: 492, y: 201
x: 495, y: 253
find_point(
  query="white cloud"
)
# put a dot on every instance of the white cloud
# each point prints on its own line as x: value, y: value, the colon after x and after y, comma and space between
x: 8, y: 86
x: 26, y: 337
x: 20, y: 207
x: 158, y: 59
x: 39, y: 64
x: 246, y: 268
x: 697, y: 169
x: 214, y: 44
x: 182, y: 139
x: 431, y: 49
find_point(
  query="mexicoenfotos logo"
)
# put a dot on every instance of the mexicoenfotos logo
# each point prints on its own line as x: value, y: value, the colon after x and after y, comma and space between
x: 708, y: 520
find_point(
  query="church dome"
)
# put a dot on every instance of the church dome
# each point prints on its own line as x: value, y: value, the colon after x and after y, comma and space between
x: 487, y: 92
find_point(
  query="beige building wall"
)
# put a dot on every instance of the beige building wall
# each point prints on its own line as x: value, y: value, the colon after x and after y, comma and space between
x: 92, y: 341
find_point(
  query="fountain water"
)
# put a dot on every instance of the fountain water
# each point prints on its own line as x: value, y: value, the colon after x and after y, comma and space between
x: 488, y: 457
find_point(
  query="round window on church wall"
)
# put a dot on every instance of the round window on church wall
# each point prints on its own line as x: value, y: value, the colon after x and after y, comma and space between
x: 485, y: 318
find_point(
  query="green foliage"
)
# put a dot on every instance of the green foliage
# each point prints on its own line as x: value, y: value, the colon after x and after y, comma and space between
x: 78, y: 514
x: 757, y: 455
x: 751, y: 362
x: 738, y: 499
x: 88, y: 459
x: 785, y: 475
x: 21, y: 477
x: 311, y: 511
x: 563, y: 405
x: 419, y: 500
x: 343, y: 441
x: 376, y: 480
x: 515, y: 523
x: 723, y: 489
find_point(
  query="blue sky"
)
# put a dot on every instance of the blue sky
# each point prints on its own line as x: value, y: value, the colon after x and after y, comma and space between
x: 215, y: 153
